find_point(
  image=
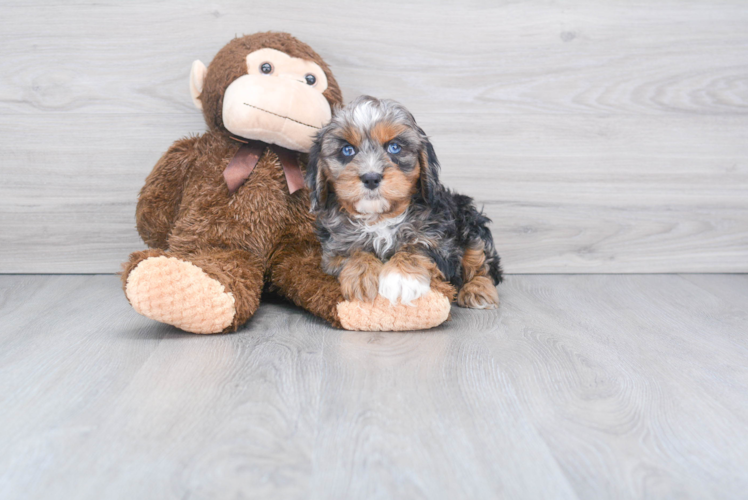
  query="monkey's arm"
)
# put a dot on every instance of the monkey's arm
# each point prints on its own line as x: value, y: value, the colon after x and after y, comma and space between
x: 159, y: 200
x: 296, y: 272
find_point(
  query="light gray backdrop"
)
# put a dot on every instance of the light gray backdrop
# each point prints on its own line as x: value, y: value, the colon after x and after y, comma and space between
x: 600, y: 136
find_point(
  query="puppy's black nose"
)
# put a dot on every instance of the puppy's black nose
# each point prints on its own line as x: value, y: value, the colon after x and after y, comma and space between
x: 371, y: 180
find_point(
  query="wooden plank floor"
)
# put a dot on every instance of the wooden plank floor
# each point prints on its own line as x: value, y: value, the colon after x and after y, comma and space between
x: 590, y: 387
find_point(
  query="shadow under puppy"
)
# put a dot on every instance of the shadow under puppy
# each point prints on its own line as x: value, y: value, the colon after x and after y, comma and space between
x: 385, y: 222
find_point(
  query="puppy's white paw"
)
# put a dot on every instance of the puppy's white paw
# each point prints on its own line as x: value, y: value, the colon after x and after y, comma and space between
x: 407, y: 288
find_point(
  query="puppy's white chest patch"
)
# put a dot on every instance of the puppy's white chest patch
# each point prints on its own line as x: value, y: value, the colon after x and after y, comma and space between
x: 382, y: 234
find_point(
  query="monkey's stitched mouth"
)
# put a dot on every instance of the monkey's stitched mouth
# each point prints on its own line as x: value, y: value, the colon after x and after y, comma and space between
x: 281, y: 116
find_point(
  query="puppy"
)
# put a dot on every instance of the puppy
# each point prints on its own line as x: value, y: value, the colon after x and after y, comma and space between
x: 385, y: 222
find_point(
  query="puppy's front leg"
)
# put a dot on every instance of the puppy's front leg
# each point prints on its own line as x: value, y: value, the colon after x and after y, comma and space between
x: 406, y: 276
x: 359, y: 276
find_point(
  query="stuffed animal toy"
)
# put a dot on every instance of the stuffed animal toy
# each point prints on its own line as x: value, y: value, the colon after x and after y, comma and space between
x: 226, y: 213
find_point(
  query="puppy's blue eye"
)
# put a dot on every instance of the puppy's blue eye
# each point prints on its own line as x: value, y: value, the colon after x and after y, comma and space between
x: 348, y: 150
x: 394, y: 148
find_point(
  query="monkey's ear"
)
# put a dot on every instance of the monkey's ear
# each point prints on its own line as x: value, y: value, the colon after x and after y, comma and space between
x: 315, y: 177
x: 197, y: 79
x: 429, y: 175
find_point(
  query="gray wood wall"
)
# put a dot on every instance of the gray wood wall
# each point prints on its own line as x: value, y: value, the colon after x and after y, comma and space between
x: 600, y: 136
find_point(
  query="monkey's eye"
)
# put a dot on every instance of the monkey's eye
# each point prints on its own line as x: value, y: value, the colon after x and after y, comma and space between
x: 266, y: 68
x: 394, y: 148
x: 348, y: 150
x: 310, y: 79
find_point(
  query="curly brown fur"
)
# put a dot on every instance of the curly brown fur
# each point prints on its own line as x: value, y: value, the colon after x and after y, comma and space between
x: 478, y: 293
x: 261, y: 233
x: 359, y: 276
x: 413, y: 263
x: 371, y: 196
x: 296, y: 272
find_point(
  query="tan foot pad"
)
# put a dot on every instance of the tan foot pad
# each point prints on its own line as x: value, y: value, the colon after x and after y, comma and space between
x: 179, y: 293
x: 380, y: 316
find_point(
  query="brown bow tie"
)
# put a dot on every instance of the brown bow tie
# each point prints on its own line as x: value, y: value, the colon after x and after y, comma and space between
x: 245, y: 160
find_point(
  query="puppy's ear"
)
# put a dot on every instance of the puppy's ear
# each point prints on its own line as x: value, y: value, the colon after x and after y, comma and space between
x: 429, y: 176
x: 315, y: 177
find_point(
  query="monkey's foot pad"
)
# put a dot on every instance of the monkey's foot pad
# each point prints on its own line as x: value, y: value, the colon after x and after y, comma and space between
x: 179, y: 293
x: 380, y: 316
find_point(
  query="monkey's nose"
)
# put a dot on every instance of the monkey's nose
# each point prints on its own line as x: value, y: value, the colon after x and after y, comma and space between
x: 371, y: 180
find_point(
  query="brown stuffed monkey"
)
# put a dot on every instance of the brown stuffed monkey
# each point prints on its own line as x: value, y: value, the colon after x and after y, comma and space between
x: 226, y: 212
